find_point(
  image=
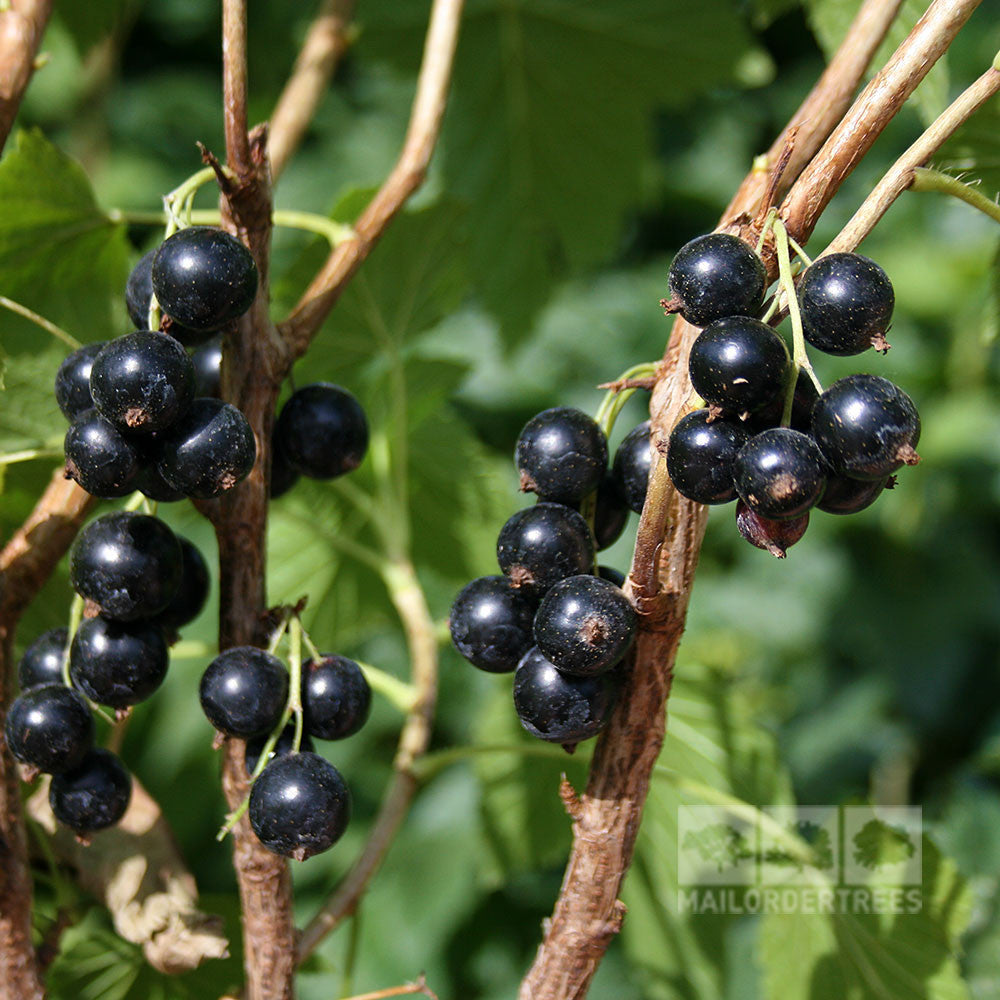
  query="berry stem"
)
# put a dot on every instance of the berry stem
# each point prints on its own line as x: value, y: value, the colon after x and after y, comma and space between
x: 772, y: 214
x: 615, y: 399
x: 925, y: 179
x: 75, y: 617
x: 799, y: 252
x: 294, y: 706
x: 29, y: 454
x: 57, y: 331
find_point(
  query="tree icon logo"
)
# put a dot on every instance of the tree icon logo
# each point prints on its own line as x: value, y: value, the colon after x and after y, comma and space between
x: 883, y: 845
x: 879, y: 845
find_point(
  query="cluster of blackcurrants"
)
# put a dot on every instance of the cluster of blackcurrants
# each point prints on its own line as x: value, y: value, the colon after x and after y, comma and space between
x: 561, y: 628
x: 144, y: 582
x: 778, y: 456
x: 299, y: 804
x: 142, y: 417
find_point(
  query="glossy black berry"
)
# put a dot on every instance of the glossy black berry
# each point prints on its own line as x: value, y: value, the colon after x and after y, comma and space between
x: 700, y: 457
x: 143, y: 381
x: 612, y: 575
x: 738, y: 364
x: 780, y: 473
x: 43, y: 659
x: 73, y: 380
x: 322, y: 431
x: 561, y: 455
x: 208, y: 451
x: 49, y: 727
x: 490, y: 624
x: 774, y: 536
x: 803, y: 401
x: 715, y: 276
x: 93, y: 796
x: 585, y: 625
x: 559, y: 708
x: 283, y: 474
x: 204, y: 278
x: 866, y: 427
x: 283, y: 746
x: 149, y: 481
x: 541, y: 545
x: 139, y: 291
x: 610, y: 513
x: 336, y: 698
x: 243, y: 691
x: 189, y: 601
x: 129, y: 564
x: 844, y: 495
x: 633, y: 460
x: 103, y: 460
x: 118, y: 663
x: 846, y: 302
x: 207, y: 362
x: 299, y: 806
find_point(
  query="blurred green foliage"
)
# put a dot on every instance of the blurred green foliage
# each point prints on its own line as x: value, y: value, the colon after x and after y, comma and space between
x: 583, y: 144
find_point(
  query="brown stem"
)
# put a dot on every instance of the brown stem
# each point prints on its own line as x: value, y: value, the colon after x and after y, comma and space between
x: 26, y: 562
x: 408, y: 174
x: 234, y: 85
x: 324, y: 45
x: 21, y: 30
x: 407, y: 989
x: 411, y: 605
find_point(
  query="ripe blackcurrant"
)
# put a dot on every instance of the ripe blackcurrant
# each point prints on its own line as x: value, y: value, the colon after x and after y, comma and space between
x: 283, y: 475
x: 209, y: 450
x: 129, y: 564
x: 49, y: 727
x: 541, y: 545
x: 610, y: 513
x: 192, y: 593
x: 243, y: 691
x: 299, y: 806
x: 490, y: 624
x: 770, y: 535
x: 866, y: 427
x: 283, y: 746
x: 700, y: 457
x: 322, y: 431
x: 118, y: 663
x: 207, y: 362
x: 139, y: 291
x: 558, y: 708
x: 633, y: 460
x: 780, y: 473
x: 336, y: 698
x: 612, y: 575
x: 73, y: 380
x: 803, y: 401
x: 738, y: 364
x: 561, y: 455
x: 846, y: 302
x: 717, y: 275
x: 149, y: 481
x: 103, y: 460
x: 204, y: 278
x: 43, y: 660
x: 585, y: 625
x: 93, y: 796
x: 143, y: 381
x: 844, y: 495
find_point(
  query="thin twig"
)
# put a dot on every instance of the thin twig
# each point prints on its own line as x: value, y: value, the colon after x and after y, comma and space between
x: 324, y: 45
x: 934, y: 180
x: 407, y: 989
x: 408, y: 174
x: 22, y: 25
x: 234, y: 84
x: 900, y: 175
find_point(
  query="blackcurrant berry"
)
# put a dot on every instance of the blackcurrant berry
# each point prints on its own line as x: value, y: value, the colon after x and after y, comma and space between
x: 490, y: 624
x: 541, y: 545
x: 143, y: 381
x: 770, y: 535
x: 299, y: 806
x: 118, y: 663
x: 803, y: 401
x: 99, y: 457
x: 610, y: 513
x: 129, y: 564
x: 561, y: 455
x: 559, y: 708
x: 715, y: 276
x: 243, y: 691
x: 93, y: 796
x: 585, y: 625
x: 49, y: 727
x: 139, y: 291
x: 846, y: 302
x: 207, y: 362
x: 283, y: 475
x: 149, y: 481
x: 209, y: 450
x: 336, y: 698
x: 633, y: 460
x: 73, y: 380
x: 283, y: 746
x: 322, y: 431
x: 866, y: 427
x: 43, y: 660
x: 204, y: 278
x: 612, y: 575
x: 700, y: 457
x: 189, y: 601
x: 780, y: 473
x: 738, y: 364
x: 844, y: 495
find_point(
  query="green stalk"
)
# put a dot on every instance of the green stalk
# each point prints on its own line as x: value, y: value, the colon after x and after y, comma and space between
x: 925, y: 179
x: 57, y: 331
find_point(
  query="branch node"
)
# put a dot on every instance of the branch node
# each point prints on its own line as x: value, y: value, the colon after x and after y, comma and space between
x: 570, y: 800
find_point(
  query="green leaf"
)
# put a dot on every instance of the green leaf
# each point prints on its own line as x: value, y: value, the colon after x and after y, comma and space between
x: 974, y: 150
x: 29, y: 416
x: 90, y: 22
x: 550, y: 123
